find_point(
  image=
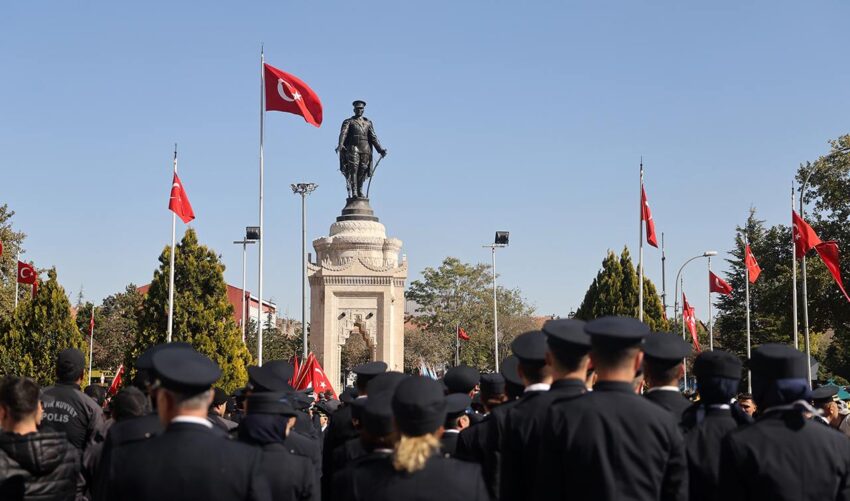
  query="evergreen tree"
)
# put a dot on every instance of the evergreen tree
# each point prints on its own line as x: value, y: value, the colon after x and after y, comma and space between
x: 11, y: 241
x: 39, y: 329
x: 203, y: 317
x: 614, y: 291
x: 116, y: 324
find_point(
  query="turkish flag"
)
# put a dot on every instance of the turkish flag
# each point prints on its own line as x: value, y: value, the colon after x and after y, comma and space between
x: 646, y: 215
x: 805, y: 238
x: 91, y: 323
x: 1, y: 247
x: 288, y: 93
x: 752, y: 264
x: 462, y: 334
x: 116, y: 381
x: 690, y: 319
x: 313, y: 376
x: 296, y: 370
x: 28, y: 275
x: 717, y: 284
x: 828, y: 252
x: 179, y: 201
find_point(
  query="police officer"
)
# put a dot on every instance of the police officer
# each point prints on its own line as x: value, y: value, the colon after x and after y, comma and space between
x: 708, y: 421
x: 217, y: 409
x: 356, y: 139
x: 783, y: 455
x: 610, y: 443
x: 663, y: 367
x: 456, y: 422
x: 189, y: 459
x: 557, y: 356
x: 825, y: 399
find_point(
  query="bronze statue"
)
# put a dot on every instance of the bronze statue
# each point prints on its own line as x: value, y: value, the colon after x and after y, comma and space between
x: 356, y: 140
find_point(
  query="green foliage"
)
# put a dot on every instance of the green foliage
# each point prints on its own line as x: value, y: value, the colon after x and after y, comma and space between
x: 12, y: 246
x: 461, y: 294
x: 278, y: 344
x: 39, y: 329
x: 203, y: 316
x: 116, y: 324
x: 614, y: 291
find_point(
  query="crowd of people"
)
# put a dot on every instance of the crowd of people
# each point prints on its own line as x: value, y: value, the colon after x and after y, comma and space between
x: 579, y: 411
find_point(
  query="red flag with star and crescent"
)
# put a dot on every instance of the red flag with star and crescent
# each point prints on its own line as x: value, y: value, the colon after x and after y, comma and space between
x: 179, y: 201
x: 717, y: 284
x: 828, y: 252
x: 28, y: 275
x: 752, y: 265
x: 690, y: 319
x: 461, y: 334
x: 288, y: 93
x: 805, y: 238
x: 116, y: 381
x: 313, y: 376
x: 646, y: 215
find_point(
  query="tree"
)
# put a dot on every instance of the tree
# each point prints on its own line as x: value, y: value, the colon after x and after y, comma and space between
x: 12, y: 242
x: 614, y: 291
x: 203, y: 317
x: 278, y: 344
x: 461, y: 294
x: 39, y: 329
x: 115, y: 326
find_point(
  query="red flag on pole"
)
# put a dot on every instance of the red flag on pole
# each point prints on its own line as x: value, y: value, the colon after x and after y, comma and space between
x: 828, y: 252
x: 296, y: 370
x: 313, y: 376
x: 288, y: 93
x: 805, y: 238
x: 690, y: 319
x: 28, y: 275
x: 717, y: 284
x: 646, y: 215
x: 116, y: 381
x: 179, y: 201
x: 91, y: 324
x: 752, y: 264
x: 462, y: 334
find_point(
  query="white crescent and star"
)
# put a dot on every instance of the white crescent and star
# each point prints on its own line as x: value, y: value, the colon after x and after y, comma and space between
x: 26, y: 273
x: 281, y: 83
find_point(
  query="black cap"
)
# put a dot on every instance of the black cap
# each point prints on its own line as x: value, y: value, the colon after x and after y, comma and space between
x: 508, y: 369
x: 778, y: 361
x: 300, y: 400
x: 219, y: 396
x: 128, y: 403
x: 616, y: 332
x: 461, y: 379
x: 456, y: 404
x: 272, y: 376
x: 384, y: 383
x: 359, y: 103
x: 717, y: 363
x: 348, y: 395
x: 419, y: 406
x: 530, y: 347
x: 357, y: 406
x: 185, y: 371
x: 270, y: 402
x: 145, y: 360
x: 376, y: 414
x: 369, y: 370
x: 492, y: 384
x: 824, y: 394
x: 327, y: 407
x: 567, y: 330
x: 665, y: 347
x: 70, y: 364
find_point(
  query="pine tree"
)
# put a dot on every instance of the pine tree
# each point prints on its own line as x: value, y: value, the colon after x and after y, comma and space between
x: 40, y: 328
x: 11, y: 241
x: 203, y: 317
x: 614, y: 291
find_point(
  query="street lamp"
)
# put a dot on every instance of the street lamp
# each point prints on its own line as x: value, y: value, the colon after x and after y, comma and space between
x: 501, y: 240
x: 706, y: 254
x: 244, y: 242
x: 304, y: 189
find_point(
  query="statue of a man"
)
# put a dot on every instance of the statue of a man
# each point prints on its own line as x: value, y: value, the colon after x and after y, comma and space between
x: 356, y: 140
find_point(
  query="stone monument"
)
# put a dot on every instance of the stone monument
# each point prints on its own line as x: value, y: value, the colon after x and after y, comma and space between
x: 357, y: 279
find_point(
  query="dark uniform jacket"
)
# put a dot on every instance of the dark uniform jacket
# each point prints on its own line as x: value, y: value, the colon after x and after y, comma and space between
x: 309, y: 448
x: 290, y: 477
x: 611, y: 444
x: 187, y: 461
x: 673, y: 401
x: 480, y: 444
x: 448, y: 442
x: 348, y: 452
x: 340, y: 430
x: 702, y: 447
x: 444, y: 479
x: 74, y: 413
x: 39, y: 466
x: 783, y: 456
x: 520, y: 446
x: 126, y: 431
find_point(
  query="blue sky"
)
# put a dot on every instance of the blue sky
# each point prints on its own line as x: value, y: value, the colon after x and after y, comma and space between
x: 528, y: 117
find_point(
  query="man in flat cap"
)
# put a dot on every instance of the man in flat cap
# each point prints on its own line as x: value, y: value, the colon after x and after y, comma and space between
x: 557, y: 356
x: 356, y: 140
x: 663, y: 367
x: 456, y: 422
x: 612, y: 444
x: 825, y: 399
x: 190, y: 459
x: 783, y: 455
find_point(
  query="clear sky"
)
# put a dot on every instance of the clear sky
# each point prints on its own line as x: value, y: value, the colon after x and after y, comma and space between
x: 522, y: 116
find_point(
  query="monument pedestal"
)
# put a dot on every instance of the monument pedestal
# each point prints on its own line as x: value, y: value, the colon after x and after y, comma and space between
x: 357, y: 287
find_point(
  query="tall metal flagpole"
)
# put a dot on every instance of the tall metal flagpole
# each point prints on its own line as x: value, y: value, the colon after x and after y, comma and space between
x: 17, y: 275
x: 91, y: 341
x: 710, y: 323
x: 663, y: 278
x: 794, y: 276
x: 495, y: 313
x: 806, y: 310
x: 640, y: 256
x: 171, y: 265
x: 244, y: 284
x: 457, y: 345
x: 262, y: 235
x: 685, y: 361
x: 747, y: 285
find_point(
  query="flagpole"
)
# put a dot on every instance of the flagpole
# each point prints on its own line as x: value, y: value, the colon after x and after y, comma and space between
x: 91, y: 341
x: 17, y: 275
x: 262, y: 235
x: 710, y: 323
x: 664, y: 279
x: 805, y: 307
x: 457, y: 345
x: 640, y: 254
x: 171, y: 267
x: 747, y: 288
x: 794, y: 275
x: 685, y: 360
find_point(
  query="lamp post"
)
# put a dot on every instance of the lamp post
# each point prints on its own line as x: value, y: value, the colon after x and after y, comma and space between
x: 304, y: 189
x: 501, y: 240
x: 706, y: 254
x: 244, y: 242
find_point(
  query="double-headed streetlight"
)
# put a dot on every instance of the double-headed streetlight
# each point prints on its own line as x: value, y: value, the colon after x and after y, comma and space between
x: 706, y: 254
x: 501, y: 240
x: 304, y: 189
x: 252, y: 234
